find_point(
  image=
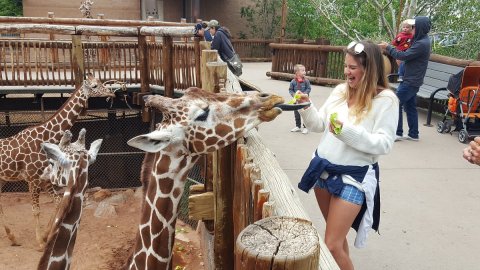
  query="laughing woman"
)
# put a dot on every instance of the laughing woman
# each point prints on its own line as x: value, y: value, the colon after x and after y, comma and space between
x: 358, y: 121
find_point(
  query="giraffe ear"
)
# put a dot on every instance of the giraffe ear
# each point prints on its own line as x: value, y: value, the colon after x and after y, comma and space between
x: 152, y: 142
x: 93, y: 151
x: 54, y: 152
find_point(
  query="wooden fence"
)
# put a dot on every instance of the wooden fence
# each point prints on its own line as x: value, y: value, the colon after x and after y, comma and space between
x: 253, y: 50
x: 324, y: 63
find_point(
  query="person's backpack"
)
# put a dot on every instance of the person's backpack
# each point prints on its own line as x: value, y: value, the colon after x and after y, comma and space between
x: 235, y: 65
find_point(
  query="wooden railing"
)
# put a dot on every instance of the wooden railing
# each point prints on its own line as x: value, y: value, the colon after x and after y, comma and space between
x: 320, y: 61
x: 253, y: 50
x: 37, y: 62
x: 324, y: 63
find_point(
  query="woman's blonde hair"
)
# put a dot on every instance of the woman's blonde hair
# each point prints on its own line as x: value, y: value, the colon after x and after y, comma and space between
x: 372, y: 82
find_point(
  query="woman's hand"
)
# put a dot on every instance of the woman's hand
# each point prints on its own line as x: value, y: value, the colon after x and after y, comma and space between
x: 338, y: 126
x: 472, y: 152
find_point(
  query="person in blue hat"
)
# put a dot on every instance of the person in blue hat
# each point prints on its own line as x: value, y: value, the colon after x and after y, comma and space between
x: 200, y: 31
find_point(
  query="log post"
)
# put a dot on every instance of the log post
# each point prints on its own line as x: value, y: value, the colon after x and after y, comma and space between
x: 196, y: 46
x: 77, y: 60
x: 184, y: 21
x: 216, y: 71
x: 54, y: 49
x: 151, y: 18
x: 285, y: 243
x: 144, y: 76
x: 322, y: 67
x: 205, y: 45
x: 256, y: 187
x: 262, y: 198
x: 268, y: 209
x: 104, y: 53
x: 168, y: 70
x: 239, y: 215
x: 208, y: 56
x: 223, y: 162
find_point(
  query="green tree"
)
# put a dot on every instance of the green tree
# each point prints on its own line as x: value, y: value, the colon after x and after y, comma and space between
x: 455, y: 23
x: 11, y: 8
x: 379, y: 20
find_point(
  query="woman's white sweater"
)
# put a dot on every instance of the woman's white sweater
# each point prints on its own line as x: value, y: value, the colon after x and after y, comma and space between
x: 358, y: 144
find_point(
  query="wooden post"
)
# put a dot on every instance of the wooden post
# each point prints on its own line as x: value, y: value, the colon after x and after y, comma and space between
x: 144, y: 76
x: 77, y: 60
x: 322, y: 67
x: 239, y: 215
x: 207, y: 56
x: 151, y: 18
x: 205, y: 45
x: 184, y: 20
x: 257, y: 185
x: 262, y: 198
x: 196, y: 46
x: 53, y: 50
x: 223, y: 174
x: 285, y: 243
x: 268, y: 209
x: 216, y: 71
x: 104, y: 53
x: 168, y: 71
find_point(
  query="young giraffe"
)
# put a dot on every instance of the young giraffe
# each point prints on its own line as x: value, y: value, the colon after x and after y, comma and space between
x: 197, y: 123
x: 69, y: 170
x: 22, y: 159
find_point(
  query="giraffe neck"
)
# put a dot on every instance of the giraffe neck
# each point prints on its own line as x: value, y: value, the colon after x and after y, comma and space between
x: 156, y: 232
x: 65, y: 117
x: 62, y: 236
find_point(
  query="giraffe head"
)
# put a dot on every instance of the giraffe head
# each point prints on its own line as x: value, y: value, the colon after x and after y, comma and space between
x: 93, y: 87
x: 200, y: 121
x: 69, y: 169
x: 68, y: 156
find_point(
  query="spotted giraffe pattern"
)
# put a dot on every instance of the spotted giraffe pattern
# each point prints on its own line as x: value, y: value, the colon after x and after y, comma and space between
x: 69, y: 170
x: 21, y: 157
x: 197, y: 123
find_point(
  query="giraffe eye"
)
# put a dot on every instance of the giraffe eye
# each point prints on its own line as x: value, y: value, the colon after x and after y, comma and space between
x: 204, y: 115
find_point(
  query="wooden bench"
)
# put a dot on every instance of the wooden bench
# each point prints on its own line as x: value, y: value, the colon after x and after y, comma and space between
x: 434, y: 87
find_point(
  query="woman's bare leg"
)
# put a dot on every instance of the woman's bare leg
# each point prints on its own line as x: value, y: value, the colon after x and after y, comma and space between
x: 341, y: 215
x: 323, y: 200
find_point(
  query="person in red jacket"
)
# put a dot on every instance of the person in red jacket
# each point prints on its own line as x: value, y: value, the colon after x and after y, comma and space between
x: 403, y: 41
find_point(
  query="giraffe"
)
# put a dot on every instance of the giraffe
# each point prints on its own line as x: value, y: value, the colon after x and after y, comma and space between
x: 69, y: 170
x: 22, y: 159
x: 197, y: 123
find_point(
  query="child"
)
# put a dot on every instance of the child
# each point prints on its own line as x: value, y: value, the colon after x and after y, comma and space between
x: 403, y: 41
x: 299, y: 83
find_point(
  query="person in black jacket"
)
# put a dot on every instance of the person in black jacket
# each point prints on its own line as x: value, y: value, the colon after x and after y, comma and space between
x: 221, y: 42
x: 416, y: 61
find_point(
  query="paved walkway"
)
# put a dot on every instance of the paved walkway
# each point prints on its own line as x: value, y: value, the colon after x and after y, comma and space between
x: 430, y: 195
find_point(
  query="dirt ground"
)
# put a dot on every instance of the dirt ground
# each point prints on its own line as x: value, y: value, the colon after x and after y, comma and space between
x: 102, y: 243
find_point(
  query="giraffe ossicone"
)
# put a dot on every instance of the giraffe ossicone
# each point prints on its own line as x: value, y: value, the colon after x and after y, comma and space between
x: 69, y: 170
x: 21, y: 157
x: 197, y: 123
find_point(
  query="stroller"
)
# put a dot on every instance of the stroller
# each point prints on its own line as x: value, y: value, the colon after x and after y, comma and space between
x: 463, y: 110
